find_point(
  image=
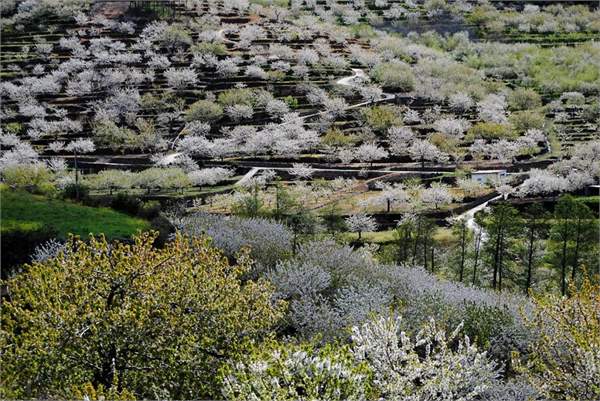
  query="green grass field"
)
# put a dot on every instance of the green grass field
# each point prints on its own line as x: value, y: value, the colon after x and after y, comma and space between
x: 22, y: 210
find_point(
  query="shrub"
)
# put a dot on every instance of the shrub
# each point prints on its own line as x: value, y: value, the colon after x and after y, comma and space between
x: 564, y: 360
x: 484, y: 323
x: 175, y: 35
x: 14, y: 128
x: 489, y: 131
x: 129, y: 306
x: 233, y: 96
x: 203, y: 110
x: 286, y: 371
x: 425, y: 367
x: 444, y: 143
x: 268, y: 241
x: 162, y: 179
x: 109, y: 180
x: 164, y: 228
x: 75, y: 191
x: 381, y: 117
x: 513, y: 390
x: 524, y: 99
x: 107, y: 133
x: 218, y: 49
x: 129, y: 204
x: 336, y: 138
x: 526, y: 120
x: 397, y: 76
x: 149, y: 209
x: 210, y: 176
x: 291, y: 101
x: 34, y: 177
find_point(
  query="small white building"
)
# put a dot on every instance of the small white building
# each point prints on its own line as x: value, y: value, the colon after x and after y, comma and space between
x: 485, y: 176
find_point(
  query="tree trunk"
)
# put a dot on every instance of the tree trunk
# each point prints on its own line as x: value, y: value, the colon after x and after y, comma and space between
x: 414, y: 255
x: 576, y: 251
x: 563, y: 268
x: 496, y: 259
x: 476, y: 261
x: 425, y: 252
x: 76, y: 177
x: 530, y: 261
x: 463, y: 246
x: 294, y: 244
x: 500, y: 263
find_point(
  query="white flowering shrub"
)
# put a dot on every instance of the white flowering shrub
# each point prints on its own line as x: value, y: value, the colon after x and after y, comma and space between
x: 436, y: 195
x: 268, y: 241
x: 424, y: 151
x: 357, y: 223
x: 180, y: 78
x: 460, y: 102
x: 493, y: 319
x: 48, y: 250
x: 277, y: 108
x: 301, y: 170
x: 286, y: 371
x: 451, y: 126
x: 292, y: 279
x: 493, y: 108
x: 255, y: 71
x: 210, y: 176
x: 514, y: 390
x: 227, y: 67
x: 542, y: 182
x: 425, y: 367
x: 21, y: 153
x: 239, y: 112
x: 369, y: 152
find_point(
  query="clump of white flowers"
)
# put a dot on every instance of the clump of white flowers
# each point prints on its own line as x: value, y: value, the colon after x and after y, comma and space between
x: 425, y: 367
x: 268, y: 241
x: 296, y: 372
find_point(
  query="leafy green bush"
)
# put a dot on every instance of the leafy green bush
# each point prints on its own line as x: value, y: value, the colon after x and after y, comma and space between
x: 204, y: 110
x: 489, y: 130
x: 524, y: 99
x: 35, y: 178
x: 233, y: 96
x: 129, y: 204
x: 175, y: 35
x: 149, y: 209
x: 564, y: 360
x: 75, y: 191
x: 218, y: 49
x: 109, y: 134
x: 14, y: 128
x: 397, y: 76
x: 483, y: 323
x: 381, y: 117
x: 291, y: 101
x: 526, y: 120
x: 336, y: 138
x: 118, y: 307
